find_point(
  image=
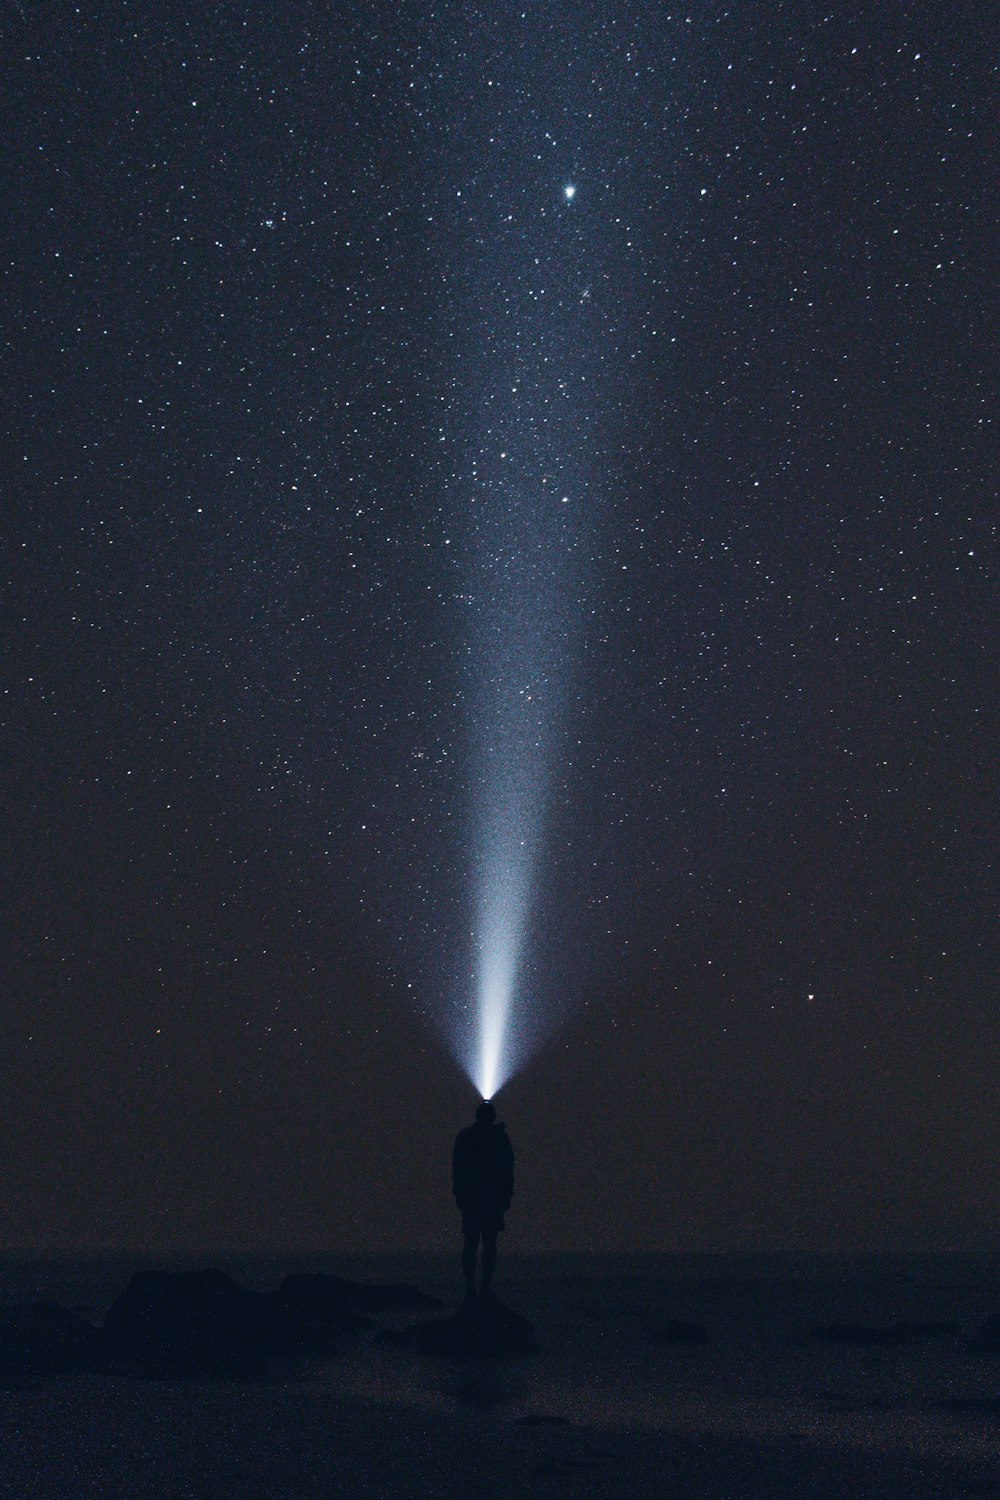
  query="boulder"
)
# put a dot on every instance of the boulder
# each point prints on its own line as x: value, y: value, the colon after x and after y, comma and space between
x: 333, y: 1296
x: 202, y: 1322
x: 482, y: 1329
x: 45, y: 1340
x: 324, y: 1312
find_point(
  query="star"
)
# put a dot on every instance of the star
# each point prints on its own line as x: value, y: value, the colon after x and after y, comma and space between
x: 569, y: 192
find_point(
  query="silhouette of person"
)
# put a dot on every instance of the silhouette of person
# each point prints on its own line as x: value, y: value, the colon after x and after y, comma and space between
x: 482, y: 1179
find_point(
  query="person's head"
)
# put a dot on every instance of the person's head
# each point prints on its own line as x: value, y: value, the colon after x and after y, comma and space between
x: 485, y: 1114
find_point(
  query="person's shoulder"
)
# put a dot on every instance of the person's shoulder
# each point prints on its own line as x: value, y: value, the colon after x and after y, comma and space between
x: 464, y: 1133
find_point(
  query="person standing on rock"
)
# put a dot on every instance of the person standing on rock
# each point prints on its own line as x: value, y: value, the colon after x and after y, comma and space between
x: 482, y: 1179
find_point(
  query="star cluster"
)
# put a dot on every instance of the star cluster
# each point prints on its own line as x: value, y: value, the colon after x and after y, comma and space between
x: 386, y: 392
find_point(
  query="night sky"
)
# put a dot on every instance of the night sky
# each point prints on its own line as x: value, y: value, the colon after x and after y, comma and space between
x: 458, y: 448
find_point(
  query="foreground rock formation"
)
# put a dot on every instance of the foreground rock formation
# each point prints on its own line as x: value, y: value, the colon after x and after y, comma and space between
x: 482, y: 1329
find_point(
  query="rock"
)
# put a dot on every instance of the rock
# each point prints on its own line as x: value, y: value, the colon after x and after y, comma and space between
x: 335, y: 1294
x: 202, y: 1322
x: 674, y: 1331
x: 483, y: 1329
x: 45, y: 1340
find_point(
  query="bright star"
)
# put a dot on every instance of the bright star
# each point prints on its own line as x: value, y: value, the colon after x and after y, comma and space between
x: 570, y: 192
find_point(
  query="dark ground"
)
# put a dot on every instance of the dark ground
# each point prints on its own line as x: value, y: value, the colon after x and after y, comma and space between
x: 759, y: 1407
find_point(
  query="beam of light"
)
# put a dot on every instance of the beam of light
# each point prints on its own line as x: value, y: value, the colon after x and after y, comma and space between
x: 513, y: 791
x: 531, y: 408
x: 496, y: 984
x: 522, y: 652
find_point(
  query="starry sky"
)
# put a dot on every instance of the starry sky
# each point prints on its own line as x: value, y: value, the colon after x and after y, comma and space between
x: 438, y: 430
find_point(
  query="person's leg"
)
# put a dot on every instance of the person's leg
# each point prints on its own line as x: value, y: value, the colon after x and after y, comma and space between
x: 469, y: 1260
x: 489, y: 1258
